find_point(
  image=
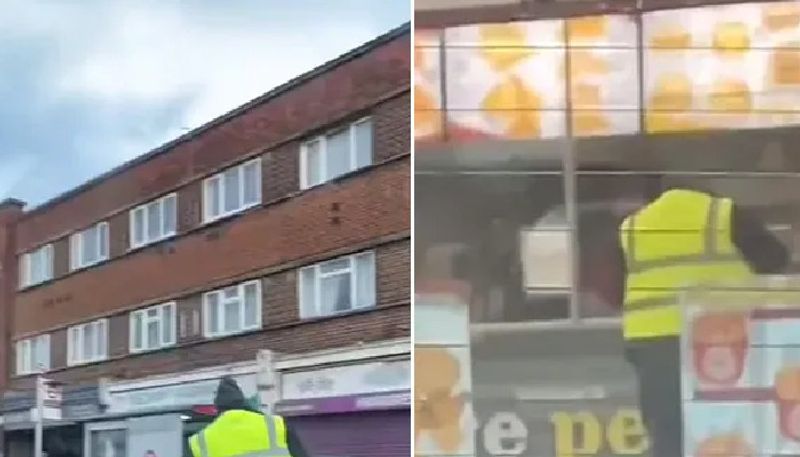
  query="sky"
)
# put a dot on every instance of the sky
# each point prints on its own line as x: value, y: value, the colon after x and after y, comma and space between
x: 86, y: 85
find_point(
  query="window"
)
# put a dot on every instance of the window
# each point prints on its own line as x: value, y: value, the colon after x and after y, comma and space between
x: 153, y: 328
x: 232, y: 191
x: 37, y: 266
x: 88, y: 342
x: 233, y: 310
x: 153, y: 221
x: 338, y: 285
x: 89, y: 247
x: 326, y: 157
x: 33, y: 355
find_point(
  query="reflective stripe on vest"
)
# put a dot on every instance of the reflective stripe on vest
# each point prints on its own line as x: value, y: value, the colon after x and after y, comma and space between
x: 656, y: 273
x: 278, y: 448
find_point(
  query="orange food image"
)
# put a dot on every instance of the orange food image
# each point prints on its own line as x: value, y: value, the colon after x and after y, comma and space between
x: 787, y: 389
x: 781, y: 16
x: 504, y: 45
x: 585, y: 96
x: 586, y: 123
x: 583, y: 63
x: 785, y: 65
x: 672, y: 92
x: 731, y: 95
x: 731, y: 38
x: 586, y: 28
x: 516, y: 106
x: 671, y: 38
x: 727, y: 445
x: 427, y: 116
x: 437, y: 409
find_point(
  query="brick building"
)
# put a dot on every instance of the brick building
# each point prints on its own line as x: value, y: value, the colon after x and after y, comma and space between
x: 279, y: 232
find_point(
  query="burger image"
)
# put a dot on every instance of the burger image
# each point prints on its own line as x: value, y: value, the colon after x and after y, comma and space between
x: 727, y: 445
x: 731, y: 38
x: 731, y: 95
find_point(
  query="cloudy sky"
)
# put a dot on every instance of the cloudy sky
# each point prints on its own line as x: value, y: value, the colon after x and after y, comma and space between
x: 88, y: 84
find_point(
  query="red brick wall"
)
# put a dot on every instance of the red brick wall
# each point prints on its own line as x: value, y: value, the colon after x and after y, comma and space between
x: 354, y: 86
x: 9, y: 216
x: 283, y: 330
x: 371, y: 205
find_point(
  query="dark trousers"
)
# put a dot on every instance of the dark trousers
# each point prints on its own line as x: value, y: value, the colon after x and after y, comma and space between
x: 657, y: 364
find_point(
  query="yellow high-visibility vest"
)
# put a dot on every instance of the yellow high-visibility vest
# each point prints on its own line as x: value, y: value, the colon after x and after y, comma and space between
x: 242, y: 433
x: 681, y: 239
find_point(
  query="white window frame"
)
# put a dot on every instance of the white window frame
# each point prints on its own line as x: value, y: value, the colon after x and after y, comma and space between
x: 28, y: 346
x: 318, y: 276
x: 207, y: 330
x: 27, y: 264
x: 77, y: 357
x: 162, y: 309
x: 219, y: 177
x: 76, y: 247
x: 322, y: 140
x: 142, y: 209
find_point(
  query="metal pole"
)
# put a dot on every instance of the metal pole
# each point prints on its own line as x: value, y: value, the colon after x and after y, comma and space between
x: 39, y: 424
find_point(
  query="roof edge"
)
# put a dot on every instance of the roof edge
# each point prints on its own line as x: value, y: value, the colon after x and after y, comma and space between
x: 293, y: 83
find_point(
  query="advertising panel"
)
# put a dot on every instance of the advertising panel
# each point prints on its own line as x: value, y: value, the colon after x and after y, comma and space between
x: 713, y: 67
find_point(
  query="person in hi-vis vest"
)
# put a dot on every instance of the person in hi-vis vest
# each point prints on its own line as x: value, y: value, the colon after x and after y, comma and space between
x: 678, y: 237
x: 238, y: 430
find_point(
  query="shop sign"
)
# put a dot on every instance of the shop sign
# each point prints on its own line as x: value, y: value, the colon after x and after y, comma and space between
x: 174, y: 395
x: 344, y: 404
x: 347, y: 380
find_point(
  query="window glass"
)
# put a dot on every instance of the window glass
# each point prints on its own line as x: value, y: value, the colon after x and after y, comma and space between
x: 154, y: 221
x: 313, y: 163
x: 213, y: 197
x: 232, y: 197
x: 251, y: 302
x: 308, y: 293
x: 138, y: 226
x: 252, y: 183
x: 365, y: 280
x: 169, y: 215
x: 168, y: 324
x: 335, y: 293
x: 212, y: 312
x: 138, y: 326
x: 337, y: 152
x: 363, y: 138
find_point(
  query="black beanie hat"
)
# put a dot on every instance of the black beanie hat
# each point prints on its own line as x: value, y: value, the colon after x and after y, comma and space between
x: 229, y: 395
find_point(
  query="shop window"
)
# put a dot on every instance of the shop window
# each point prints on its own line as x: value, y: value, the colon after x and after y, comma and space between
x: 36, y: 266
x: 337, y: 286
x: 33, y: 355
x: 336, y: 153
x: 234, y: 190
x: 152, y: 328
x: 89, y: 247
x: 87, y: 343
x: 108, y: 442
x: 153, y: 221
x: 232, y: 310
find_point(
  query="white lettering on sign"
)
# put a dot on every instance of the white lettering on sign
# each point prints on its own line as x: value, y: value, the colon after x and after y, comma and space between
x: 347, y: 380
x: 505, y: 434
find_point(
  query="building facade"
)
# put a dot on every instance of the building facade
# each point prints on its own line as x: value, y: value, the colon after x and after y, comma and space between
x: 281, y: 226
x: 547, y: 122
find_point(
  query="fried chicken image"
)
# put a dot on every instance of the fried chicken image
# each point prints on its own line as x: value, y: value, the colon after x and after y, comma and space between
x: 437, y: 407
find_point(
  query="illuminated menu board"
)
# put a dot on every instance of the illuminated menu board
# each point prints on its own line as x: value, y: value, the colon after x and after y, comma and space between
x: 730, y: 66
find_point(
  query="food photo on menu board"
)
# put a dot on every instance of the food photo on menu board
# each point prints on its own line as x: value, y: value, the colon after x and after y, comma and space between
x: 742, y: 379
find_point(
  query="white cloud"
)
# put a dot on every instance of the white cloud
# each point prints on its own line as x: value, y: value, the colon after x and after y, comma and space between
x: 152, y: 54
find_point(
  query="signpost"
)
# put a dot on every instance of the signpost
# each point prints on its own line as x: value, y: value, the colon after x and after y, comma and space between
x: 48, y: 407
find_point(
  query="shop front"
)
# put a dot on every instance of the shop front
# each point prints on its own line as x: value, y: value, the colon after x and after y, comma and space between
x: 155, y: 416
x: 63, y: 426
x: 343, y: 404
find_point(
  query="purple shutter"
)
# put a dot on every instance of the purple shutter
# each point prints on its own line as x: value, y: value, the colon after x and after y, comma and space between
x: 363, y: 434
